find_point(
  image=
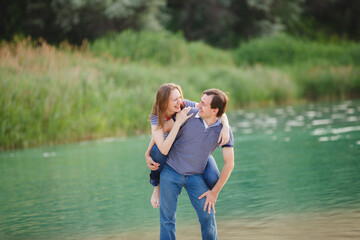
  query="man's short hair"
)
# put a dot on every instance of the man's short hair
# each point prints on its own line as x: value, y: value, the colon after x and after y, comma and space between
x: 220, y: 100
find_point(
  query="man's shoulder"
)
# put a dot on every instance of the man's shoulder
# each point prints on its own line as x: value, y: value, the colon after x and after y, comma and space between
x: 192, y: 120
x: 194, y: 112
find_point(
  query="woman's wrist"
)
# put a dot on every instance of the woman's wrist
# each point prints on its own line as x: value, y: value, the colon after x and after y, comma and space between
x: 177, y: 124
x: 226, y: 127
x: 224, y: 120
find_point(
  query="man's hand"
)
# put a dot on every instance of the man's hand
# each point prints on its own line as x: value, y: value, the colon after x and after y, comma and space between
x: 210, y: 200
x: 151, y: 164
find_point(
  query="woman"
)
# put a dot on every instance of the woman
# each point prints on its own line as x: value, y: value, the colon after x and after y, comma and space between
x: 168, y: 104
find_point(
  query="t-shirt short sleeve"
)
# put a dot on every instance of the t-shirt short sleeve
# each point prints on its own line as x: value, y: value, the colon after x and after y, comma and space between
x: 230, y: 143
x: 154, y: 120
x: 189, y: 103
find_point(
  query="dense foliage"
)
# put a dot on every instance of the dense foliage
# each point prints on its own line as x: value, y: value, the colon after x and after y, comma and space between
x: 221, y: 23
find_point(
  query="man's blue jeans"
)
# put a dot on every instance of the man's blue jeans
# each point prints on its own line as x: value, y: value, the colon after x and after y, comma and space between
x: 171, y: 185
x: 211, y: 173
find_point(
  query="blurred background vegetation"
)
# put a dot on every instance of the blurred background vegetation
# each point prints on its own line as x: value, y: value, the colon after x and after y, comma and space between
x: 220, y: 23
x: 72, y: 70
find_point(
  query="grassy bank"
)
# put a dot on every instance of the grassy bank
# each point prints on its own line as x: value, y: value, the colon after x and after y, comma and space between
x: 52, y: 95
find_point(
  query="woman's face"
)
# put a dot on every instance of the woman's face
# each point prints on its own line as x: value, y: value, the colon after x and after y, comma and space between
x: 174, y: 102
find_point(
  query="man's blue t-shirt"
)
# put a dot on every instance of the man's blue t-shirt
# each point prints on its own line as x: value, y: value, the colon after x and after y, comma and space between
x: 194, y: 144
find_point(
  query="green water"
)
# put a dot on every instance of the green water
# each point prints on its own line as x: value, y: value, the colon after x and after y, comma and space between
x: 294, y: 159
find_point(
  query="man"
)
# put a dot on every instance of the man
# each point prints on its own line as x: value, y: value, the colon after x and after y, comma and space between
x: 196, y: 140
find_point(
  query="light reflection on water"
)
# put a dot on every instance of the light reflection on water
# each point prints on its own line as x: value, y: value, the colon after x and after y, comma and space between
x: 297, y: 176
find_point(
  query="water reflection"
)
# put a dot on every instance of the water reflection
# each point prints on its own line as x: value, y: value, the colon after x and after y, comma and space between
x: 297, y: 176
x: 320, y: 119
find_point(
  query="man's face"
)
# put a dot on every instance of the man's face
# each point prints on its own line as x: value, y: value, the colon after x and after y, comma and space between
x: 205, y: 110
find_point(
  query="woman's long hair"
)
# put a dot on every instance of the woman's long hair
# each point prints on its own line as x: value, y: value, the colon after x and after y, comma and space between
x: 162, y: 100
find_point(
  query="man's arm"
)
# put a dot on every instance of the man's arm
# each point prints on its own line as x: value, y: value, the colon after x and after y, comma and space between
x: 211, y: 195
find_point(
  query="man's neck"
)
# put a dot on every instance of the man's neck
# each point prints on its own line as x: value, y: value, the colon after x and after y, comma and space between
x: 210, y: 121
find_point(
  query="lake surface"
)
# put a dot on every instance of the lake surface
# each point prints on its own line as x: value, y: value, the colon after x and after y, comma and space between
x: 296, y: 176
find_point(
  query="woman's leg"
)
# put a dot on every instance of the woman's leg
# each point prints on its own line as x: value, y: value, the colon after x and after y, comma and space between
x: 211, y: 173
x: 158, y: 157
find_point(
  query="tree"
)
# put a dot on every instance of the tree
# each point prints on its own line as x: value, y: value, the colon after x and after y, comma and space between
x: 333, y: 18
x: 221, y: 23
x: 225, y: 22
x: 11, y: 18
x: 75, y: 20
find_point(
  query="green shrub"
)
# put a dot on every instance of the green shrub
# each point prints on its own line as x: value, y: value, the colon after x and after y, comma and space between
x: 157, y: 47
x: 282, y: 49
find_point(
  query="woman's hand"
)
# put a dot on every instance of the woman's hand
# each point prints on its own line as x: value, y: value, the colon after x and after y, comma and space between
x: 182, y: 116
x: 224, y: 136
x: 151, y: 164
